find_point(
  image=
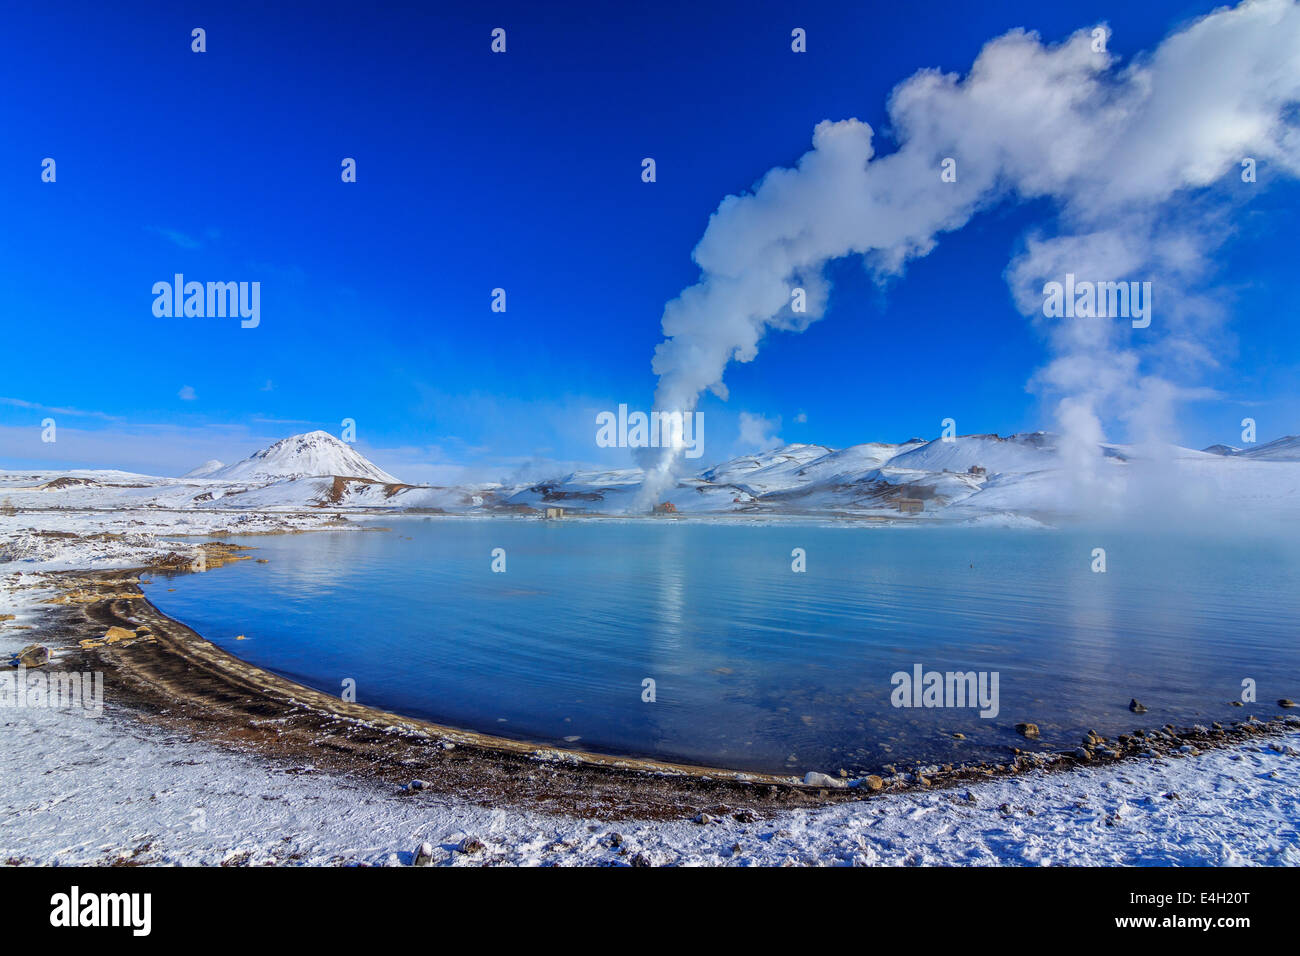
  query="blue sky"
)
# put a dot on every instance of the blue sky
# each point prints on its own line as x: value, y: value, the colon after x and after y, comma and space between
x: 519, y: 171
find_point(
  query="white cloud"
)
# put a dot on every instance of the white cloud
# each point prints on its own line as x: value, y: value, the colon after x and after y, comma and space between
x: 177, y: 237
x: 187, y: 393
x: 759, y: 432
x: 55, y: 409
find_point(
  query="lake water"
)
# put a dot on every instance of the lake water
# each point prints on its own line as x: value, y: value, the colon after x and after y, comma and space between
x: 755, y: 666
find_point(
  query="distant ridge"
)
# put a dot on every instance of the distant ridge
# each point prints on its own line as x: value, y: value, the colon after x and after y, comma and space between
x: 1281, y: 449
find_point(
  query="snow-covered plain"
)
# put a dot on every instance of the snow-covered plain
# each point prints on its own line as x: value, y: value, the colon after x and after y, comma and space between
x: 79, y: 790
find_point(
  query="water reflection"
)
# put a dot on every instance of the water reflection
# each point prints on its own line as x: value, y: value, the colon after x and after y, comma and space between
x: 758, y: 666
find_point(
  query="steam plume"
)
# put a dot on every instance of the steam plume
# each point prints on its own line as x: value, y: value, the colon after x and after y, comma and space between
x: 1140, y: 162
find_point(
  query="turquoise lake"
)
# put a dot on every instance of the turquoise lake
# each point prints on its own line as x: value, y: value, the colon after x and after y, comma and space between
x: 756, y: 666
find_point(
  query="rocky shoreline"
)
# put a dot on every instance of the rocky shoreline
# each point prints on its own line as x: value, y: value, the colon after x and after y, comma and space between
x: 166, y: 674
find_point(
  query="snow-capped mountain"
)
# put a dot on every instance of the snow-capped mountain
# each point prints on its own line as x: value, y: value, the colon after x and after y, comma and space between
x: 314, y: 454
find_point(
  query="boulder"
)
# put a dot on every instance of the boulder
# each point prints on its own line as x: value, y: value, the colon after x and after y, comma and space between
x: 33, y: 655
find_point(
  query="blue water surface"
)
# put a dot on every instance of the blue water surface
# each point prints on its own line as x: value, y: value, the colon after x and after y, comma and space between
x: 756, y: 666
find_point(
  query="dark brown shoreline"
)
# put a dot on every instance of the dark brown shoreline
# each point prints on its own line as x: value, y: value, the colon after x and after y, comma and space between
x: 181, y: 681
x: 184, y: 682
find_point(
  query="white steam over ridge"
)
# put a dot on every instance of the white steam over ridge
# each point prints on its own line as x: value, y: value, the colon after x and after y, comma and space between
x: 1140, y: 162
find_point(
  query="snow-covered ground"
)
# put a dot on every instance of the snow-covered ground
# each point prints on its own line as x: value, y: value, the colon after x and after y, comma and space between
x: 76, y: 790
x: 92, y: 540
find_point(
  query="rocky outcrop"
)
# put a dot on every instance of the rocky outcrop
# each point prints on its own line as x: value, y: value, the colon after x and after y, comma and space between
x: 33, y: 655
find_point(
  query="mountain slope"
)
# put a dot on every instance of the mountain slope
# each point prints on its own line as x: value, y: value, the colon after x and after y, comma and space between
x: 1017, y: 453
x: 314, y: 454
x: 206, y: 469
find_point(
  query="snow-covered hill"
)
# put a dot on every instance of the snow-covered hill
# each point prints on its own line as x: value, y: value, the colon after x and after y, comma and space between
x: 968, y: 478
x: 311, y: 455
x: 205, y: 470
x: 1018, y: 453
